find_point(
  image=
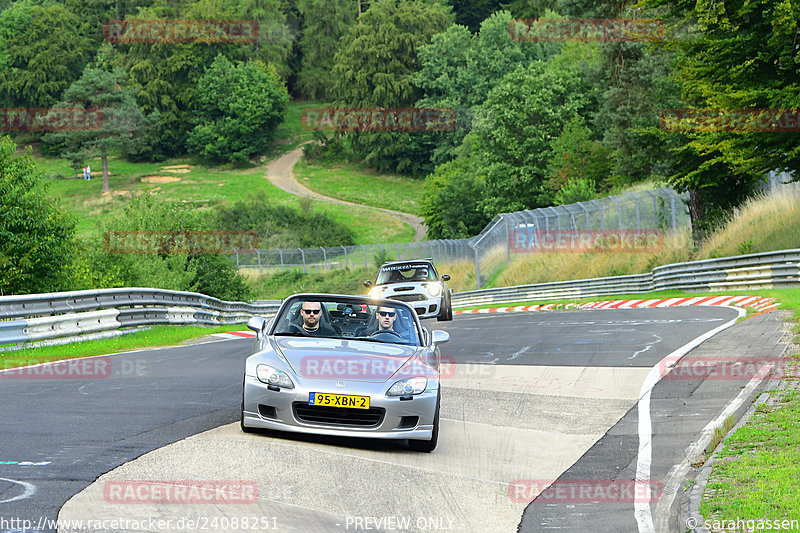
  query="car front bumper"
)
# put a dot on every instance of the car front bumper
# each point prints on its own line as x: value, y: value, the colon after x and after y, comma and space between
x: 278, y: 410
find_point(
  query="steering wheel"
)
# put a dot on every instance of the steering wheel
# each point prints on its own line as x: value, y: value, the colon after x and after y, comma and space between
x: 392, y: 334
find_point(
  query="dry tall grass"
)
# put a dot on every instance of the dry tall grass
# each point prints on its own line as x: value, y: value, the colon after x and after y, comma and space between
x: 764, y: 223
x: 462, y: 274
x: 546, y: 267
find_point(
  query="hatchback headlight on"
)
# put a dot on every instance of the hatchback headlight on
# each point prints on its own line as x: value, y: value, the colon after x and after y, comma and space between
x: 404, y: 387
x: 435, y: 289
x: 375, y: 293
x: 273, y: 376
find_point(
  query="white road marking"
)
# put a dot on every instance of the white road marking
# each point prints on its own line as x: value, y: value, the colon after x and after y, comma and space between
x: 642, y: 511
x: 678, y: 472
x: 30, y: 490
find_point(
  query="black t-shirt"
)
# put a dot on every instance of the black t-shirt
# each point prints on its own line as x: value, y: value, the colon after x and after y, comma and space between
x: 321, y: 331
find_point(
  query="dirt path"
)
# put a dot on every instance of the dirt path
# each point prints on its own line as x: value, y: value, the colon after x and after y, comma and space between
x: 280, y: 173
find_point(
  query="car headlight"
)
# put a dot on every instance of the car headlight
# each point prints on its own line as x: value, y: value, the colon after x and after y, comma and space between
x: 404, y: 387
x: 435, y: 289
x: 273, y: 376
x: 375, y: 293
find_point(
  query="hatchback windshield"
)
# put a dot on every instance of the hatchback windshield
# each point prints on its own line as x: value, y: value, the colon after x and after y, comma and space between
x: 405, y: 272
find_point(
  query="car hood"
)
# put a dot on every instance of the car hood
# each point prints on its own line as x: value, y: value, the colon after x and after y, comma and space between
x: 344, y: 359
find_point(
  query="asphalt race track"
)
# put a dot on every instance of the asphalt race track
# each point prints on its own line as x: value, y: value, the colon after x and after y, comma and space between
x: 534, y: 400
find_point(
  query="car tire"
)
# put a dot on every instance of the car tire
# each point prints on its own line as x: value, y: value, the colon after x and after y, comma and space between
x: 428, y: 445
x: 245, y: 429
x: 446, y: 312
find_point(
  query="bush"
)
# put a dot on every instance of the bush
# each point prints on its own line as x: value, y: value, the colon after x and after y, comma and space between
x: 36, y: 235
x: 281, y: 226
x: 240, y: 107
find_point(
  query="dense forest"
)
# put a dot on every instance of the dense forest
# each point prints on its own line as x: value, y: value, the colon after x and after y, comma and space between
x: 540, y: 121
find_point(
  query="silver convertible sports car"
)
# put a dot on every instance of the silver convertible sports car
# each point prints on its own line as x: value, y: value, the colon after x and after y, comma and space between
x: 345, y: 366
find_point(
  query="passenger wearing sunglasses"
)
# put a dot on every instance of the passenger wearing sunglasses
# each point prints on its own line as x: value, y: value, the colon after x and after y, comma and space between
x: 311, y: 312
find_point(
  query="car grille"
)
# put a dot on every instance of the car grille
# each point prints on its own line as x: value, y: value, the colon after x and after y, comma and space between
x: 338, y: 416
x: 407, y: 297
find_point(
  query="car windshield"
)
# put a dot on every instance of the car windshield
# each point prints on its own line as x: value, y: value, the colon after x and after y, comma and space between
x: 405, y: 272
x: 351, y: 318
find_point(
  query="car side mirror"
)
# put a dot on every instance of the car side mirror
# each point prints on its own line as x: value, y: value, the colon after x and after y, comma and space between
x: 257, y: 323
x: 440, y: 337
x: 368, y: 283
x: 446, y: 277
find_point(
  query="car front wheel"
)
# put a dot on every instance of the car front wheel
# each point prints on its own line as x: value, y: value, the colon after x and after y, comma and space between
x: 446, y: 312
x: 428, y: 445
x: 245, y: 429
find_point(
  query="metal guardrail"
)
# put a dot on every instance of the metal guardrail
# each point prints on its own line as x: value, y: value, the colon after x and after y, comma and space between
x: 74, y: 315
x: 753, y: 271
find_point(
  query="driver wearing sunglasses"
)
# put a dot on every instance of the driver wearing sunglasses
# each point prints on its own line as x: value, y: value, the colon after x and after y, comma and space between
x: 311, y: 312
x: 386, y: 317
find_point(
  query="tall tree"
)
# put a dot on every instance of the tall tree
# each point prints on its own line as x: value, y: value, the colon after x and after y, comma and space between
x: 42, y: 51
x: 239, y: 108
x: 459, y: 69
x: 36, y: 235
x: 374, y: 68
x: 105, y: 93
x: 324, y: 24
x: 525, y: 114
x: 741, y: 54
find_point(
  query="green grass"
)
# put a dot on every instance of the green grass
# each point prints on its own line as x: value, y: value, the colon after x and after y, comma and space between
x: 292, y: 133
x: 205, y: 186
x: 353, y: 183
x: 756, y: 474
x: 202, y: 186
x: 283, y: 284
x: 157, y: 336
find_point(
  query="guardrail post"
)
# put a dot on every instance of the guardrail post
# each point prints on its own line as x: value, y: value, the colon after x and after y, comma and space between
x: 345, y: 257
x: 303, y: 255
x: 674, y: 214
x: 324, y: 257
x: 281, y: 254
x: 508, y: 240
x: 477, y: 267
x: 237, y: 258
x: 638, y: 218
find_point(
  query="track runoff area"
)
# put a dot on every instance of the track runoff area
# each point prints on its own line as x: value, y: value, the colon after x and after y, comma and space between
x: 566, y: 420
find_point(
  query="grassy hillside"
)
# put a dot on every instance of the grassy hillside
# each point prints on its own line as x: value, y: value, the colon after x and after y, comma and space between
x: 354, y: 183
